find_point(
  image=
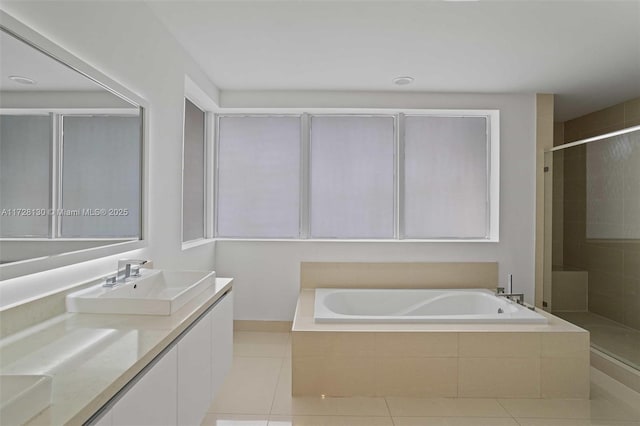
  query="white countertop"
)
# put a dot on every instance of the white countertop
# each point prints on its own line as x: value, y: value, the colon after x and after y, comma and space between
x: 92, y: 356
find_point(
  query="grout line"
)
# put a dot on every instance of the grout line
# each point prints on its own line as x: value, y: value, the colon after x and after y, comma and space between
x: 275, y: 391
x: 506, y: 410
x: 386, y: 403
x: 389, y: 411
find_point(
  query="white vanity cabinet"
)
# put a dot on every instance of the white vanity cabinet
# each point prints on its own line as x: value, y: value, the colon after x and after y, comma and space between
x: 194, y: 372
x: 180, y: 386
x: 222, y: 342
x: 153, y: 399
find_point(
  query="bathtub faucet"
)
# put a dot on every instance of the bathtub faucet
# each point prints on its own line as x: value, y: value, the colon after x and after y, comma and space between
x: 519, y: 296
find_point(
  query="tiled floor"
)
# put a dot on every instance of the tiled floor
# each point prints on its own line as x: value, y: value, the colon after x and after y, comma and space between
x: 257, y: 392
x: 613, y: 338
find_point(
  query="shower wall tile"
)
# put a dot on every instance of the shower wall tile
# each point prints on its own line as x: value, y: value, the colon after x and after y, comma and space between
x: 632, y: 112
x: 608, y: 306
x: 595, y: 123
x: 632, y: 305
x: 570, y: 291
x: 604, y: 283
x: 631, y: 268
x: 613, y: 267
x: 605, y: 259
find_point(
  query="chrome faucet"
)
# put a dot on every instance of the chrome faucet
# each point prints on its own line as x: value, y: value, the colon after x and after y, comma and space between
x: 519, y: 296
x: 124, y: 268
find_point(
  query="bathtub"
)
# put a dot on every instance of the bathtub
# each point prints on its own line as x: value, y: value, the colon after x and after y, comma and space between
x: 419, y: 306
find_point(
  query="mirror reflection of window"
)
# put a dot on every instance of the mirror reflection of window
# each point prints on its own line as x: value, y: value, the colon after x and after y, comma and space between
x: 193, y: 178
x: 70, y: 159
x: 25, y: 148
x: 101, y: 177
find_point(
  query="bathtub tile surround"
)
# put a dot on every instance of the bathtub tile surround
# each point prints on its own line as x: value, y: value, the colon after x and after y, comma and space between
x: 471, y: 360
x: 398, y: 275
x: 265, y: 399
x: 446, y: 360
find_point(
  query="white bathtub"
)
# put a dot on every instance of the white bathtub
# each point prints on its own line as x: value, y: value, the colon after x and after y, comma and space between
x: 419, y: 305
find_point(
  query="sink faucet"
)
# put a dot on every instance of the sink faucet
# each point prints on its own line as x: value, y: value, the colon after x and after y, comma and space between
x: 124, y: 268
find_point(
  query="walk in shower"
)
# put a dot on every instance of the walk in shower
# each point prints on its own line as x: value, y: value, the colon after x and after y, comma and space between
x: 592, y: 219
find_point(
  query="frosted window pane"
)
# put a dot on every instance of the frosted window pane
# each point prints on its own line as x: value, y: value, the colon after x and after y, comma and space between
x: 193, y: 173
x: 25, y: 146
x: 352, y: 177
x: 446, y: 177
x: 613, y: 186
x: 259, y: 177
x: 101, y: 172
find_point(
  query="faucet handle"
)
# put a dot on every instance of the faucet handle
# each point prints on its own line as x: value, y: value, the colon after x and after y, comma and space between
x: 135, y: 271
x: 110, y: 281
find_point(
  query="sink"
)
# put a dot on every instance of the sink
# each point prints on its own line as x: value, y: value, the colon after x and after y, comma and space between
x: 155, y: 292
x: 22, y: 397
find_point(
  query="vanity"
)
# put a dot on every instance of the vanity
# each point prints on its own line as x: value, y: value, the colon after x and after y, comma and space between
x: 151, y: 350
x: 125, y: 369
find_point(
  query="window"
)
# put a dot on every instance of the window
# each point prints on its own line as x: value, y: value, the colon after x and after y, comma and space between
x: 258, y: 177
x: 82, y: 180
x: 25, y: 140
x: 193, y: 173
x: 352, y: 177
x: 101, y: 173
x: 424, y: 175
x: 445, y: 177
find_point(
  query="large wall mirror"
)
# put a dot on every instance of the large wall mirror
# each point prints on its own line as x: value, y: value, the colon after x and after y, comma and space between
x: 71, y: 158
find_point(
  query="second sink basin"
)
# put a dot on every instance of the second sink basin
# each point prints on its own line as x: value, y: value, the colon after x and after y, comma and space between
x: 155, y: 292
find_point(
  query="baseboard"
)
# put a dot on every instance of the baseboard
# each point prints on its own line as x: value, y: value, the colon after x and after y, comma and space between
x: 615, y: 369
x: 271, y: 326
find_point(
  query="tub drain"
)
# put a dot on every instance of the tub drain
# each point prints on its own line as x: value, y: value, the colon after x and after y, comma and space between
x: 500, y: 311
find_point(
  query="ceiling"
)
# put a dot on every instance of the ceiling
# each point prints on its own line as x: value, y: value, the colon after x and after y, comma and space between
x: 18, y: 58
x: 586, y: 52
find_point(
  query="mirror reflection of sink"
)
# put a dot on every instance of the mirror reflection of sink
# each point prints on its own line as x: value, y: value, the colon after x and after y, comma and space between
x: 155, y: 292
x: 22, y: 397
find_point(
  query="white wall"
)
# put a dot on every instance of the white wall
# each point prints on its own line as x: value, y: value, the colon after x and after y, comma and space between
x: 126, y: 42
x: 267, y: 273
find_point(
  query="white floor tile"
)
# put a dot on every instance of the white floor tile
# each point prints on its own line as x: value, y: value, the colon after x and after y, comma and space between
x: 250, y: 386
x: 568, y: 409
x: 454, y: 421
x: 261, y: 344
x: 445, y: 407
x: 330, y: 421
x: 213, y: 419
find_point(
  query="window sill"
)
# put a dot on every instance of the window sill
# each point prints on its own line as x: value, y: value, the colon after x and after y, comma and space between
x: 338, y: 240
x: 197, y: 243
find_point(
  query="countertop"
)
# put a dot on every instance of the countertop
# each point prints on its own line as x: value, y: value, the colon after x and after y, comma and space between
x: 92, y: 356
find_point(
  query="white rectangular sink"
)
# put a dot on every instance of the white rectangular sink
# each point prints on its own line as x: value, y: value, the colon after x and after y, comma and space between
x: 155, y: 292
x: 22, y: 397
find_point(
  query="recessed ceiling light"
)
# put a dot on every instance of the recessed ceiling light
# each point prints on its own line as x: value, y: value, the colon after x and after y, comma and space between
x: 22, y: 80
x: 403, y: 81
